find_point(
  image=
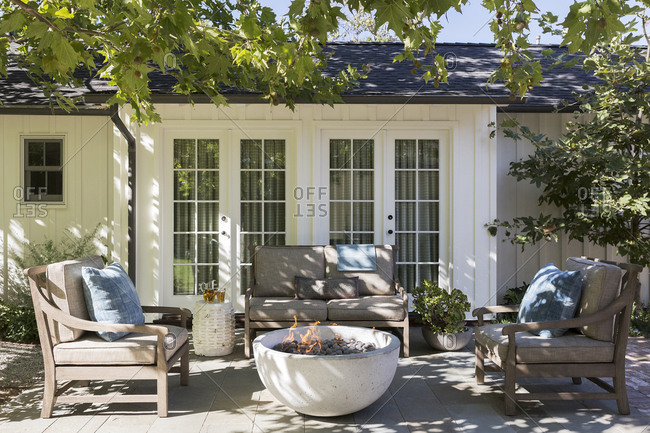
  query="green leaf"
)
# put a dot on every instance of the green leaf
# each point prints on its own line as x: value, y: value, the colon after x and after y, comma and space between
x: 64, y: 13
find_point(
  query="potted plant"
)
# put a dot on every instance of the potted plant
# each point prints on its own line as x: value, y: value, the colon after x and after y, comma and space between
x: 442, y: 312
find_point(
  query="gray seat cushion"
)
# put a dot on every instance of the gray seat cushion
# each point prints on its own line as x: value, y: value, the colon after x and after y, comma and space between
x: 570, y: 348
x: 134, y: 349
x: 601, y: 283
x: 379, y: 282
x: 283, y: 309
x: 65, y: 288
x: 276, y: 268
x: 366, y: 308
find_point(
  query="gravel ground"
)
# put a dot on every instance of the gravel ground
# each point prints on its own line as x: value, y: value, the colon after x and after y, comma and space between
x: 21, y: 366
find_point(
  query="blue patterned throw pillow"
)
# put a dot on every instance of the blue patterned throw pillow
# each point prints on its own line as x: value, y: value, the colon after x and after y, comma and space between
x: 552, y: 295
x: 111, y: 298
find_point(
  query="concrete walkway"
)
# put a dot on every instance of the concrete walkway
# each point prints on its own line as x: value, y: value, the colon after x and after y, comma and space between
x: 431, y: 392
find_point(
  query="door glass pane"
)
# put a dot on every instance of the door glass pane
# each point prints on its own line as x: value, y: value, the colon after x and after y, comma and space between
x: 251, y: 154
x: 340, y: 185
x: 274, y: 185
x: 405, y: 154
x: 363, y: 185
x: 363, y: 217
x: 364, y: 154
x: 273, y: 217
x: 251, y: 185
x: 340, y: 154
x: 208, y: 151
x: 340, y: 216
x: 184, y: 153
x: 247, y: 241
x: 428, y: 247
x: 428, y: 185
x: 274, y: 154
x: 405, y: 216
x: 251, y: 217
x: 407, y: 251
x: 427, y: 216
x: 196, y: 210
x: 184, y: 185
x: 208, y: 185
x: 405, y: 185
x: 428, y: 154
x: 184, y: 217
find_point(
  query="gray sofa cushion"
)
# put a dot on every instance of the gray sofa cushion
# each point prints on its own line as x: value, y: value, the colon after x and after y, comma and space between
x: 569, y: 348
x: 283, y: 309
x: 135, y: 348
x: 366, y: 308
x: 276, y: 268
x: 65, y: 288
x: 379, y: 282
x: 601, y: 283
x: 327, y: 288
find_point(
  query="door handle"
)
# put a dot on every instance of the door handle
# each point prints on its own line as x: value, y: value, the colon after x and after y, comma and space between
x: 390, y: 232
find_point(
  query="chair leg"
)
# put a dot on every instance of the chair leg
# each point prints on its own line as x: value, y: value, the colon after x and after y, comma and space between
x: 405, y: 336
x: 511, y: 407
x: 247, y: 340
x: 576, y: 380
x: 479, y: 362
x: 49, y: 390
x: 162, y: 389
x: 621, y: 394
x: 185, y: 368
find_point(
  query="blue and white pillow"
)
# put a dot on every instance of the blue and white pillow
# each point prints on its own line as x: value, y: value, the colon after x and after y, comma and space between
x: 111, y: 298
x: 552, y: 295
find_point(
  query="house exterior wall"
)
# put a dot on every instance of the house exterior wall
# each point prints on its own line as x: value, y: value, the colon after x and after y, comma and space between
x: 520, y: 199
x: 468, y: 184
x: 93, y: 187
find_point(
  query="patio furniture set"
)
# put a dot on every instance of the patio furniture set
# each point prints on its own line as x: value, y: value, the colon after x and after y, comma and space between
x: 306, y: 282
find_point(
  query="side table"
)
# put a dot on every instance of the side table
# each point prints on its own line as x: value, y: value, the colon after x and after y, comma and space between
x: 213, y: 328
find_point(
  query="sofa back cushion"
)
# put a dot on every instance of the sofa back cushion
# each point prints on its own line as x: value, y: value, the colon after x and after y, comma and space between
x: 378, y: 282
x: 65, y: 288
x: 601, y: 283
x: 276, y: 268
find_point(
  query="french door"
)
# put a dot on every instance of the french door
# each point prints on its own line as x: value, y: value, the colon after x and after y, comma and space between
x: 390, y: 187
x: 228, y: 192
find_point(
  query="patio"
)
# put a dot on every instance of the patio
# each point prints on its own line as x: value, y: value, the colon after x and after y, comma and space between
x: 432, y: 391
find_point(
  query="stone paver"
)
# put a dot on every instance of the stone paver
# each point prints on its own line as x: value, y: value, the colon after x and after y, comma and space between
x: 431, y: 392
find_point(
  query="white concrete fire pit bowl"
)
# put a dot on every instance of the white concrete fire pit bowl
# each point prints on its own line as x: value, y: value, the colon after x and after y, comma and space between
x: 327, y: 385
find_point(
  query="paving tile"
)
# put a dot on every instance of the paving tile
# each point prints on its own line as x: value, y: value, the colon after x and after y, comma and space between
x: 478, y: 418
x: 381, y: 416
x: 337, y: 424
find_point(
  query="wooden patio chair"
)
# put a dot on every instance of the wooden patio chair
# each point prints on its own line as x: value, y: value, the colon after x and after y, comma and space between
x: 73, y: 352
x: 521, y: 354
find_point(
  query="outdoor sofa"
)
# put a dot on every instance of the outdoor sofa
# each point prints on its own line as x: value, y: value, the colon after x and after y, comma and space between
x: 271, y: 301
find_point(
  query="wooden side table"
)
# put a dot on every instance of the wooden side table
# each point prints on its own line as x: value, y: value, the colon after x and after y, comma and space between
x: 213, y: 328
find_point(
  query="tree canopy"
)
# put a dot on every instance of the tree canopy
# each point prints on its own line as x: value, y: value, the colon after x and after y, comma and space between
x: 209, y: 45
x: 598, y: 173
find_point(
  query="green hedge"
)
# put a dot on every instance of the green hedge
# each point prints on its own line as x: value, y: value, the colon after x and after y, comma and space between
x: 18, y: 324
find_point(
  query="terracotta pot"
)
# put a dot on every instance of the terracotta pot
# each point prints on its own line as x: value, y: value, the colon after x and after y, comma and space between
x: 447, y: 342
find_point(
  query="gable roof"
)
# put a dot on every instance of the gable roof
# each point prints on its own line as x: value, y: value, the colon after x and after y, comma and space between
x: 469, y: 67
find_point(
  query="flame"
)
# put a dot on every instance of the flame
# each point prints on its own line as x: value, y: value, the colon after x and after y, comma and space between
x: 309, y: 341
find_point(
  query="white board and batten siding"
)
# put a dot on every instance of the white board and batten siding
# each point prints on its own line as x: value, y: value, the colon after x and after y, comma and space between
x: 520, y: 199
x: 469, y: 183
x: 94, y: 176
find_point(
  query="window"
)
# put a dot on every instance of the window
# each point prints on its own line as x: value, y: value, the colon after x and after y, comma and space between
x: 262, y: 198
x: 196, y: 214
x: 43, y: 169
x: 352, y: 191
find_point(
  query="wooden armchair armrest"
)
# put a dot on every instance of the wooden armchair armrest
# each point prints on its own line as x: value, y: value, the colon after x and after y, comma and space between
x: 183, y: 312
x: 606, y: 313
x: 402, y: 292
x: 491, y: 309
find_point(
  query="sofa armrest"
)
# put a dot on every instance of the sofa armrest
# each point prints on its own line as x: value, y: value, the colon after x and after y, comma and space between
x: 183, y: 312
x: 493, y: 309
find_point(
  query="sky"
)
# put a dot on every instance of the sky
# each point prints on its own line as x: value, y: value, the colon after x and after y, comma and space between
x: 473, y: 24
x: 470, y: 26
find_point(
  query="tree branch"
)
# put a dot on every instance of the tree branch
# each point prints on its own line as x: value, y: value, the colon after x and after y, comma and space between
x: 33, y: 12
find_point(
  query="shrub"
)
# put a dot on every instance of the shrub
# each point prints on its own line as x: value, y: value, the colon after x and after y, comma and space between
x: 443, y: 311
x: 513, y: 296
x: 640, y: 322
x: 17, y: 319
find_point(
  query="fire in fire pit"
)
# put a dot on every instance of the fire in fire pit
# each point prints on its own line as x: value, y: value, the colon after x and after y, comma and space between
x: 312, y: 344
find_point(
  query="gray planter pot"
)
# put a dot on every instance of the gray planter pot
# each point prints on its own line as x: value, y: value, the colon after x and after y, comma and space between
x: 447, y: 342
